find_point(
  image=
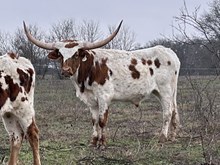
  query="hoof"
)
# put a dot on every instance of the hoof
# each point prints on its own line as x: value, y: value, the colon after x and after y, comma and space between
x: 162, y: 138
x: 172, y: 139
x: 101, y: 147
x: 93, y: 142
x: 92, y: 145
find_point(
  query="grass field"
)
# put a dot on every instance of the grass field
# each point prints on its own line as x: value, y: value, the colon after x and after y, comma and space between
x: 65, y: 125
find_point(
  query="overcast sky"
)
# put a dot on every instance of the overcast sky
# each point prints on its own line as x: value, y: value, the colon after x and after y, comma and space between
x: 148, y: 19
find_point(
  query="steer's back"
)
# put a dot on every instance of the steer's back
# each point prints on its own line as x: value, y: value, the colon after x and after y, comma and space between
x: 136, y: 74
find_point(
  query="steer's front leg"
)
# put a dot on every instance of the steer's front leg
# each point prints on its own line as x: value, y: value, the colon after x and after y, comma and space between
x: 95, y: 123
x: 103, y: 118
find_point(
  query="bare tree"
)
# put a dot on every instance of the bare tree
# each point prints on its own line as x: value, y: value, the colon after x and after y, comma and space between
x: 26, y: 49
x: 210, y: 21
x: 89, y: 31
x: 206, y: 28
x: 64, y: 30
x: 205, y: 112
x: 125, y: 39
x: 5, y: 43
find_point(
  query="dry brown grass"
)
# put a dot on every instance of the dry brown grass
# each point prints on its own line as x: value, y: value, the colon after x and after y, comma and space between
x: 65, y: 125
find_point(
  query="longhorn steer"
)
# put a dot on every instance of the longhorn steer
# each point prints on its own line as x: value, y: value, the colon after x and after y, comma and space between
x: 17, y: 81
x: 101, y: 76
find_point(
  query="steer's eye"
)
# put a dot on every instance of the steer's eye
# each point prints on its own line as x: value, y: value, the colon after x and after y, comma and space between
x: 75, y: 56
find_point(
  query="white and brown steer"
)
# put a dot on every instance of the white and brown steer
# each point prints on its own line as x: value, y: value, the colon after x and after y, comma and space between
x: 104, y: 75
x: 17, y: 81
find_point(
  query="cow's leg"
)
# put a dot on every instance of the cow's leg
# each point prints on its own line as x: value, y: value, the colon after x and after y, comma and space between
x: 102, y: 123
x: 174, y: 125
x: 103, y: 118
x: 95, y: 121
x: 166, y: 102
x: 33, y: 138
x: 16, y: 134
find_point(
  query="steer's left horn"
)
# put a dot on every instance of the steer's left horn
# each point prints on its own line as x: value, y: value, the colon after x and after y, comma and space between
x: 49, y: 46
x: 99, y: 44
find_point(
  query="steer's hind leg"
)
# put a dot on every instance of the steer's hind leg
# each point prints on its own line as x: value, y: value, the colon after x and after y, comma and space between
x: 167, y: 115
x: 33, y: 138
x: 16, y: 134
x: 175, y: 121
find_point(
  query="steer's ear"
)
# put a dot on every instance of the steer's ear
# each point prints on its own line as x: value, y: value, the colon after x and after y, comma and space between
x: 54, y: 55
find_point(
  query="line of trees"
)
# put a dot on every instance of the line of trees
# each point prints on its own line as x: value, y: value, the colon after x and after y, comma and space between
x: 88, y: 30
x: 198, y: 51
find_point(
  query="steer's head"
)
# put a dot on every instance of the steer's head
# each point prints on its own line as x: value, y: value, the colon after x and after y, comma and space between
x: 70, y: 53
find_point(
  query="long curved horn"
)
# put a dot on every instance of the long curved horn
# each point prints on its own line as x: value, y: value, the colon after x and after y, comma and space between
x: 99, y: 44
x: 49, y: 46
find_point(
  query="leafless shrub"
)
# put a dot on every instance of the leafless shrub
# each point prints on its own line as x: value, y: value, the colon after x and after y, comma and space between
x: 204, y: 102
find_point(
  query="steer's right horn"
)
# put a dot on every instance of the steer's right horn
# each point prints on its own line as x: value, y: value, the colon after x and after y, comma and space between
x: 49, y: 46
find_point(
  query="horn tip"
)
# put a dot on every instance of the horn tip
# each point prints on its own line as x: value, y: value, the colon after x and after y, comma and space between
x: 24, y: 24
x: 25, y: 27
x: 119, y: 26
x: 121, y: 22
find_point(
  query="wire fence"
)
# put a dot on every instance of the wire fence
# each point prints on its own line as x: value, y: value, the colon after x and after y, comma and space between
x: 199, y: 71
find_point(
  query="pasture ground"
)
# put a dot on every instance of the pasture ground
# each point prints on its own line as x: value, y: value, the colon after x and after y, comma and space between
x: 65, y: 125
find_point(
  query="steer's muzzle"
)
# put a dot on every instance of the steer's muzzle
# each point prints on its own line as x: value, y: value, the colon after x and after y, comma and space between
x: 67, y: 71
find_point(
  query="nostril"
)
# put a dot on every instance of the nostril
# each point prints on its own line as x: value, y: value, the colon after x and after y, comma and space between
x: 67, y: 71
